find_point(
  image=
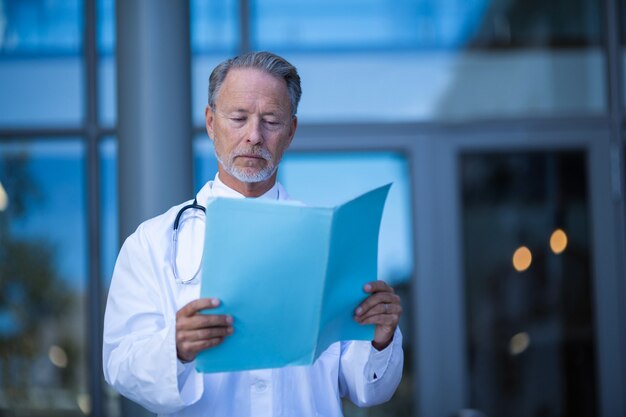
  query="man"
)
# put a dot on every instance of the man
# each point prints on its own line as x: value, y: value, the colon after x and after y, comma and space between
x: 153, y: 329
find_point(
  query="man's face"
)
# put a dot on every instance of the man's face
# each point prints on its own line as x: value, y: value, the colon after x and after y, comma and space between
x: 251, y: 125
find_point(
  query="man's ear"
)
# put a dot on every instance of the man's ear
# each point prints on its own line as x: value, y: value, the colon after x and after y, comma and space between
x: 209, y: 117
x: 294, y: 127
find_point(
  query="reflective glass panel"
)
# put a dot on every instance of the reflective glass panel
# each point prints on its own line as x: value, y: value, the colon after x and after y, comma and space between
x: 420, y: 24
x: 204, y: 162
x: 41, y: 77
x: 107, y: 90
x: 528, y: 284
x: 43, y: 279
x: 214, y: 26
x: 109, y: 242
x: 215, y: 36
x: 40, y: 27
x: 438, y: 60
x: 313, y: 179
x: 46, y: 90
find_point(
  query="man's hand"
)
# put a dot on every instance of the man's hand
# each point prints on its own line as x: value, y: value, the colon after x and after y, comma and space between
x: 196, y: 331
x: 381, y: 308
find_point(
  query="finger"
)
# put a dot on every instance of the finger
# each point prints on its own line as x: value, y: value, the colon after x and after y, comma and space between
x: 200, y: 321
x: 382, y: 320
x: 374, y: 299
x: 383, y: 308
x: 206, y: 320
x: 377, y: 286
x: 203, y: 334
x: 197, y: 305
x: 188, y: 351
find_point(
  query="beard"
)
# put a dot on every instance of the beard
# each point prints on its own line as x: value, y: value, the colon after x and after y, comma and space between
x: 248, y: 174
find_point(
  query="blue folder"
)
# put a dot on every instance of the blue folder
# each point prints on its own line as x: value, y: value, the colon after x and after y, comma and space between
x: 291, y: 276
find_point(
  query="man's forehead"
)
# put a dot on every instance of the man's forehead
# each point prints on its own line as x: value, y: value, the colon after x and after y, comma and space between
x: 241, y: 84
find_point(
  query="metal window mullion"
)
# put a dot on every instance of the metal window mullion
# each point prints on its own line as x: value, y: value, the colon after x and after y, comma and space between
x: 51, y: 133
x: 92, y: 135
x: 616, y: 159
x: 244, y: 26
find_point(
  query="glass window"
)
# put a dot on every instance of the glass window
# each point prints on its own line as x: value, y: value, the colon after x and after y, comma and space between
x: 528, y: 284
x: 109, y: 239
x: 204, y: 162
x: 41, y: 75
x: 312, y: 178
x: 438, y: 60
x: 215, y: 36
x: 214, y: 26
x: 40, y: 27
x: 107, y: 76
x: 43, y: 369
x: 421, y: 24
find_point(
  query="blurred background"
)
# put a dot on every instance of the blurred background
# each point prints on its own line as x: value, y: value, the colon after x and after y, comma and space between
x: 499, y: 122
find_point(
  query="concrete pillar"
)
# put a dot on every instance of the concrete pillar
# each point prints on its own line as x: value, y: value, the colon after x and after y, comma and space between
x: 154, y: 115
x: 154, y: 108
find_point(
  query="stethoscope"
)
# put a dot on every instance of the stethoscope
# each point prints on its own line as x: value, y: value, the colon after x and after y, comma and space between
x: 177, y: 223
x: 192, y: 206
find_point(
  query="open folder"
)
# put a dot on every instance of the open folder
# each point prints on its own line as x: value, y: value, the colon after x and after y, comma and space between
x: 291, y: 276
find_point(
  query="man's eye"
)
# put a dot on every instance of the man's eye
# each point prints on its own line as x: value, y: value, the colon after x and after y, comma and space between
x: 238, y: 119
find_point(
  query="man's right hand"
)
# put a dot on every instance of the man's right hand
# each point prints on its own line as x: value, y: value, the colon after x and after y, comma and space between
x: 196, y: 332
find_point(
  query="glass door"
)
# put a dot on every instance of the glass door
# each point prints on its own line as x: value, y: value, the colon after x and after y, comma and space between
x: 524, y: 273
x: 527, y: 283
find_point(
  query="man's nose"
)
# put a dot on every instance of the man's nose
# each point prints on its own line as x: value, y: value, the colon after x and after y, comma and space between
x: 255, y: 131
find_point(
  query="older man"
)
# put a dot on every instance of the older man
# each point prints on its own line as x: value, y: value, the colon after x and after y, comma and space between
x: 153, y: 328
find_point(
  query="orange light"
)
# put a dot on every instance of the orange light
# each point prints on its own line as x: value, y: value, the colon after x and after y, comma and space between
x: 522, y: 258
x: 558, y: 241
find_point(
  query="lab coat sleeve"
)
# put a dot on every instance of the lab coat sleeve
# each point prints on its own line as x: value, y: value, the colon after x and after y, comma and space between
x: 139, y: 349
x: 368, y: 376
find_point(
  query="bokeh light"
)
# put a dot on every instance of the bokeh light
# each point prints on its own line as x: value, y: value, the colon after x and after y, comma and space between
x: 522, y: 258
x: 558, y: 241
x: 4, y: 198
x: 57, y: 356
x: 84, y: 403
x: 519, y: 343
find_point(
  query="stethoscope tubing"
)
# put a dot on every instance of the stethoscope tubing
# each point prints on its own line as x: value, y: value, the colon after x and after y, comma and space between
x: 194, y: 206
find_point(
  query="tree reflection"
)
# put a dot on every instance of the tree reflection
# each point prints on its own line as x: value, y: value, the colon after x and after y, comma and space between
x: 33, y: 297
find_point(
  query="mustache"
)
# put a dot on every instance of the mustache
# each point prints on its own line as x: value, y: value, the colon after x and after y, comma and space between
x: 254, y: 151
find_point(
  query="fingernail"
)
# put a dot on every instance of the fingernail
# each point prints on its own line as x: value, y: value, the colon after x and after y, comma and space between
x: 230, y: 330
x: 215, y: 302
x: 359, y: 310
x: 229, y: 320
x: 368, y: 287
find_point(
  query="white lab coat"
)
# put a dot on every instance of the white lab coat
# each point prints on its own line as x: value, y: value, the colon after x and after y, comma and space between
x: 139, y: 351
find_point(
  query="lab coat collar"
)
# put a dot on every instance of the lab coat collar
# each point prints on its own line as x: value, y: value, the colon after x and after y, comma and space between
x: 217, y: 188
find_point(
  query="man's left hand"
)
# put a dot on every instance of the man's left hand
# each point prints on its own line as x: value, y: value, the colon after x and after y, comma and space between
x: 381, y: 308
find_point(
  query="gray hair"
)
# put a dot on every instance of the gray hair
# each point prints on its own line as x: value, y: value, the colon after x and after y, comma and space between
x: 265, y: 61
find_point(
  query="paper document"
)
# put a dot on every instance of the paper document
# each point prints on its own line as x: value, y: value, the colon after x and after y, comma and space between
x: 291, y: 276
